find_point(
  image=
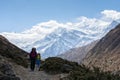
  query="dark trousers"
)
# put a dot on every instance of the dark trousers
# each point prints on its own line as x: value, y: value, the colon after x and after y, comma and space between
x: 32, y: 65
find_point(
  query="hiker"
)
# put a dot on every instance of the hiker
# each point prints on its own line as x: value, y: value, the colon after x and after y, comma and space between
x: 38, y: 59
x: 33, y: 55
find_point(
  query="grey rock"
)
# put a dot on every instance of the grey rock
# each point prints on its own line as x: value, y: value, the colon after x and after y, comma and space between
x: 6, y: 72
x: 9, y: 78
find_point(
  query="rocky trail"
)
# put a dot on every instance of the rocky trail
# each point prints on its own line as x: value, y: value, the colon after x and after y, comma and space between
x: 26, y: 74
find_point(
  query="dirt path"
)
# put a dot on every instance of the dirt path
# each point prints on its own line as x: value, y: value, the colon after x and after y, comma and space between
x: 26, y: 74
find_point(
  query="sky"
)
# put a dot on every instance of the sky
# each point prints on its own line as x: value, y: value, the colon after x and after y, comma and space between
x: 21, y: 15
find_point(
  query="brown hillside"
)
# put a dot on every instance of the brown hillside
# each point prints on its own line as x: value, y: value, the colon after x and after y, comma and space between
x: 77, y: 54
x: 106, y: 53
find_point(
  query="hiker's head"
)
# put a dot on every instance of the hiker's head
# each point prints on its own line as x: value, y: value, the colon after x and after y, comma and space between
x: 33, y: 49
x: 38, y: 53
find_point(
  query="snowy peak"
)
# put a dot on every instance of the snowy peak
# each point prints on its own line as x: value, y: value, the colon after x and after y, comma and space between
x: 63, y: 39
x: 53, y: 38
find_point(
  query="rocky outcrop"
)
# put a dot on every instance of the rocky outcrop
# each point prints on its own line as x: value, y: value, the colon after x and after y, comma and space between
x: 6, y: 71
x: 106, y: 53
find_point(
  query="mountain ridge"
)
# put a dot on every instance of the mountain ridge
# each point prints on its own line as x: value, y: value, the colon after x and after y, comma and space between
x: 77, y: 54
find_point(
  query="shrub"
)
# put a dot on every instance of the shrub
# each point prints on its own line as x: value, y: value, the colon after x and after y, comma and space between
x: 58, y: 65
x: 55, y: 65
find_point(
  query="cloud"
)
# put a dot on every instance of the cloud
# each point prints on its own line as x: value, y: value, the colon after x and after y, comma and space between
x: 45, y: 28
x: 91, y: 23
x: 40, y: 30
x: 110, y: 15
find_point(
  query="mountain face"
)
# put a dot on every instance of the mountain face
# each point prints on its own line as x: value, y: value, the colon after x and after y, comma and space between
x: 12, y: 52
x: 61, y: 39
x: 106, y: 53
x: 77, y: 54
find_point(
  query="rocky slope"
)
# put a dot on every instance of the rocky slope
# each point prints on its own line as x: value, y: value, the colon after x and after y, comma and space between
x: 12, y: 52
x: 77, y: 54
x: 106, y: 53
x: 9, y: 53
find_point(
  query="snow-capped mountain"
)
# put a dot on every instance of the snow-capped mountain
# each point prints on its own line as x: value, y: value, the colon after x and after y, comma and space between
x: 63, y: 39
x: 52, y: 38
x: 60, y: 41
